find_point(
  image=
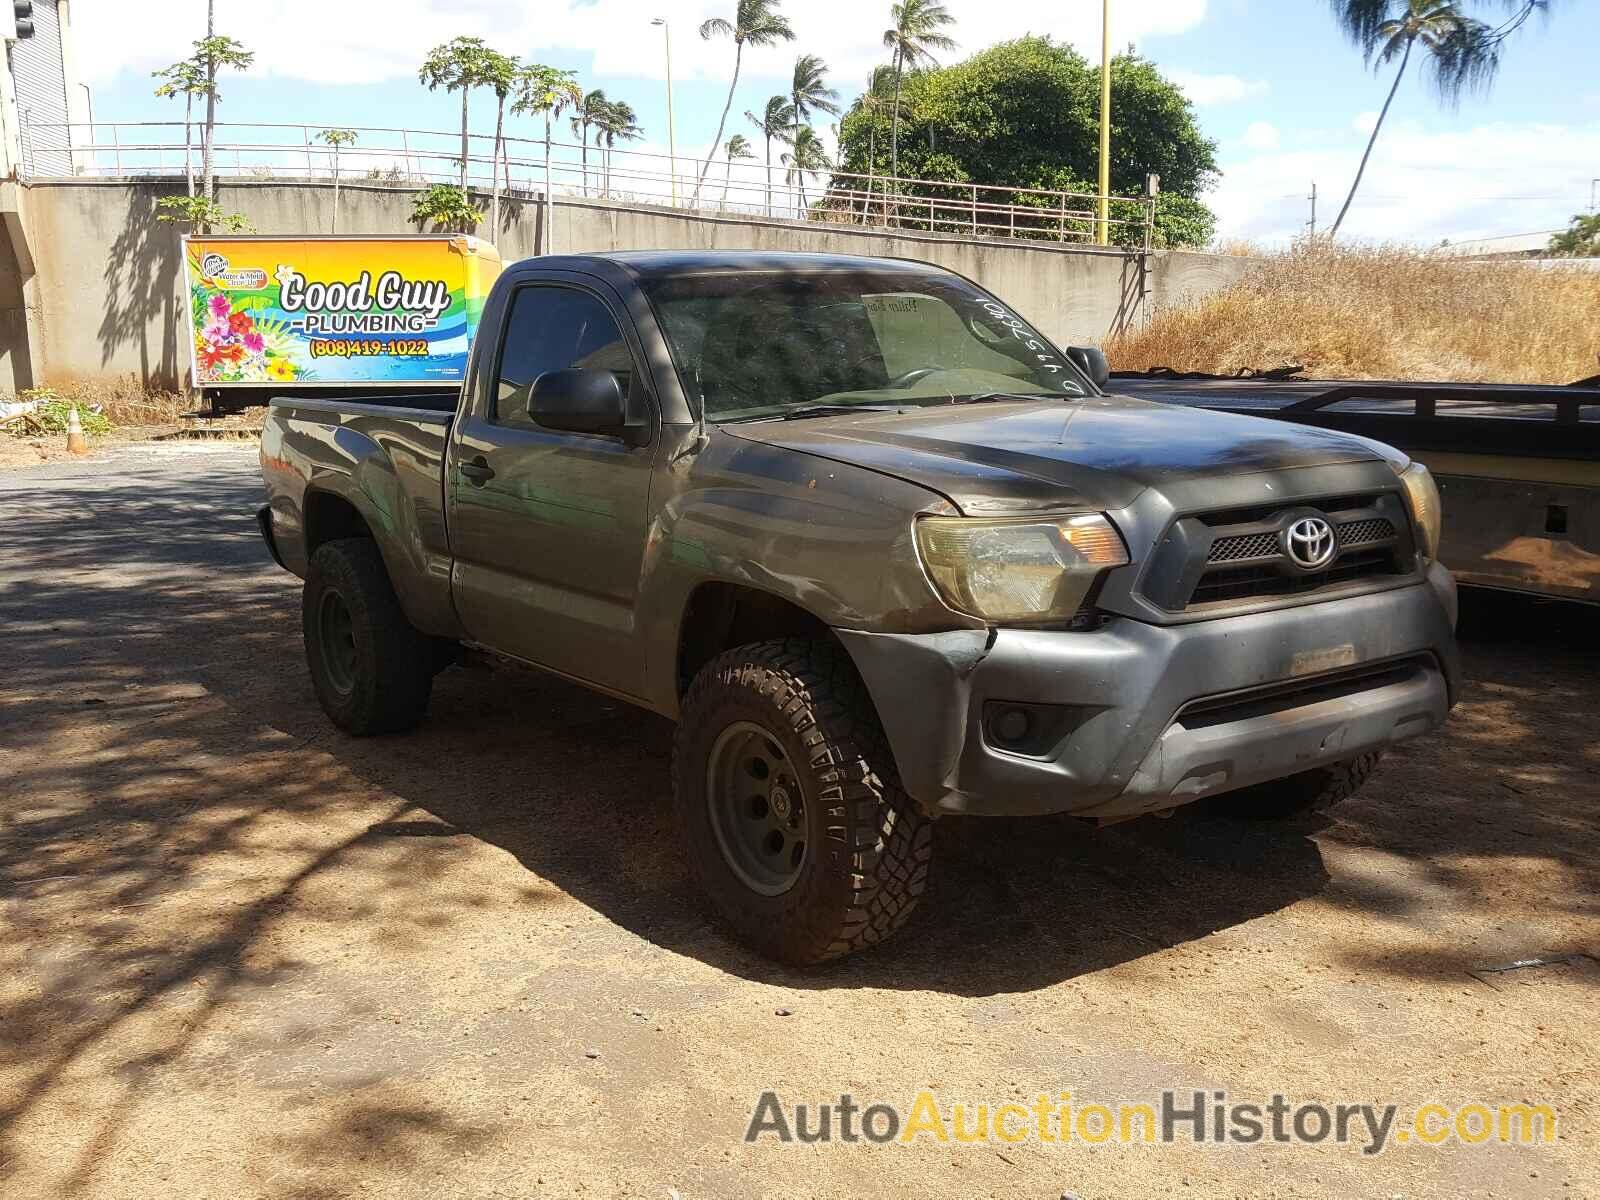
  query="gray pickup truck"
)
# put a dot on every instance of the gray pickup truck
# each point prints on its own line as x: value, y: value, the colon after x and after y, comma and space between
x: 881, y: 550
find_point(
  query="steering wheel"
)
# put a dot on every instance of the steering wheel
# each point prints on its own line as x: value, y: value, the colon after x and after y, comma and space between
x: 911, y: 377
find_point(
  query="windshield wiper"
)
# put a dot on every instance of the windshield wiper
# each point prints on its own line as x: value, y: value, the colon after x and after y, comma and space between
x: 834, y: 410
x: 989, y: 397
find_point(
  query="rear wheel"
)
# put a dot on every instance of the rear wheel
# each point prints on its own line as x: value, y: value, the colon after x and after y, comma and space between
x: 372, y: 670
x: 790, y: 805
x: 1310, y: 791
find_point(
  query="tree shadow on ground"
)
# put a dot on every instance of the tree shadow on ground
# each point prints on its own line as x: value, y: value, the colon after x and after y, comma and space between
x: 163, y: 753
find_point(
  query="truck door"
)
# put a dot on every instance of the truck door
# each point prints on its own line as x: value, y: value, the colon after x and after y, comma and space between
x: 548, y: 527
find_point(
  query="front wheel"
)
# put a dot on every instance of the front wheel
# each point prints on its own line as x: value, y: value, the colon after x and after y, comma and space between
x: 790, y: 804
x: 1316, y: 790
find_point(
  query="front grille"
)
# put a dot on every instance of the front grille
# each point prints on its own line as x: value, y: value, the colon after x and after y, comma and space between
x: 1245, y: 546
x: 1233, y: 557
x: 1360, y: 533
x: 1217, y: 587
x: 1249, y: 545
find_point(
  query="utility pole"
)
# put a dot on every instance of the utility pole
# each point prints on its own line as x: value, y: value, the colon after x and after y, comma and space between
x: 1313, y: 210
x: 1105, y: 124
x: 672, y: 137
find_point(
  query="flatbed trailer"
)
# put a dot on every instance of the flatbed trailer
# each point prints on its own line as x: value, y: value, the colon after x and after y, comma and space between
x: 1518, y: 465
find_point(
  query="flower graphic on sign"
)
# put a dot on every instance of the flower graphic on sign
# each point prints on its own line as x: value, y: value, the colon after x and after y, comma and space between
x: 234, y: 342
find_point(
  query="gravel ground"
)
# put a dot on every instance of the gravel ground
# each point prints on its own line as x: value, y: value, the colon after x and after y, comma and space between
x: 244, y: 955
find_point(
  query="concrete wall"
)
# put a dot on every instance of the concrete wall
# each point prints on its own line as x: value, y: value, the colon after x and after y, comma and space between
x: 109, y: 273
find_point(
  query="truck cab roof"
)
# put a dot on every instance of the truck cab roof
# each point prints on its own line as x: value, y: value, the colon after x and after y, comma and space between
x: 650, y: 264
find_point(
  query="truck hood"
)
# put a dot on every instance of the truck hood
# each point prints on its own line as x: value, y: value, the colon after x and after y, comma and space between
x: 1027, y: 456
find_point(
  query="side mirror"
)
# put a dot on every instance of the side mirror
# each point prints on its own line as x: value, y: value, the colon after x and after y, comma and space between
x: 580, y: 400
x: 1092, y: 362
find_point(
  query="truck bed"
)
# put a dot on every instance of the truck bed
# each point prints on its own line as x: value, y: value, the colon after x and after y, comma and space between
x: 441, y: 399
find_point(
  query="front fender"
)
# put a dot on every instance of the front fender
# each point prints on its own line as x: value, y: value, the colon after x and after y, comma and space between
x: 829, y: 538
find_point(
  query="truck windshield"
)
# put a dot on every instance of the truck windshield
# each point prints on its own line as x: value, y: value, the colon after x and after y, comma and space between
x: 754, y: 344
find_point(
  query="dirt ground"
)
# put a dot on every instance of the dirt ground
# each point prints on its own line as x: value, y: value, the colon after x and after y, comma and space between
x: 17, y: 452
x: 244, y: 955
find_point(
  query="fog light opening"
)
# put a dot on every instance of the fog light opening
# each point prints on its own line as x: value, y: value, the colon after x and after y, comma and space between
x: 1011, y: 726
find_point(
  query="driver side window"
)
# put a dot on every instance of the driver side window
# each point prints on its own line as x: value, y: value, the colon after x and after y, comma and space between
x: 551, y: 328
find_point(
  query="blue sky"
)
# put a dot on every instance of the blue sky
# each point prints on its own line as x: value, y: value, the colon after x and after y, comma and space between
x: 1287, y: 100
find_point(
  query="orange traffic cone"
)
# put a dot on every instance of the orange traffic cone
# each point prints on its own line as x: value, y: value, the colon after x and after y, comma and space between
x: 76, y: 442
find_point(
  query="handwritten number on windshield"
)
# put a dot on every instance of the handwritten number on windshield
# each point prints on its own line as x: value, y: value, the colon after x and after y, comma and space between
x: 1020, y: 331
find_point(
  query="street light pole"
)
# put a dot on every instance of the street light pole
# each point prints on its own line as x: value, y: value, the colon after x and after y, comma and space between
x: 672, y: 137
x: 1105, y: 124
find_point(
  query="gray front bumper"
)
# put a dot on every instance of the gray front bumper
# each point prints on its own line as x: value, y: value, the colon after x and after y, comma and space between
x: 1157, y: 716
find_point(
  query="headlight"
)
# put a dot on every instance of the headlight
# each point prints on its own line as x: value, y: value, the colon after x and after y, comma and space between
x: 1018, y: 570
x: 1423, y: 496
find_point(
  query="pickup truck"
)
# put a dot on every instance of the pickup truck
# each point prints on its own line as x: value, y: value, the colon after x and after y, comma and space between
x: 882, y: 551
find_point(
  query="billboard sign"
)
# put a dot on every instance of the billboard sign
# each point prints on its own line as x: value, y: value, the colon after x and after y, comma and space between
x: 334, y: 311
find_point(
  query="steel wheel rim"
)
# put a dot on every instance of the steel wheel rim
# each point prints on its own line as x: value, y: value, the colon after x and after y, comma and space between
x: 757, y: 812
x: 336, y: 640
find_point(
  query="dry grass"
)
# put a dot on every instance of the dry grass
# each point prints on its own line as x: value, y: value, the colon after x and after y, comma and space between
x: 1383, y: 313
x: 127, y: 402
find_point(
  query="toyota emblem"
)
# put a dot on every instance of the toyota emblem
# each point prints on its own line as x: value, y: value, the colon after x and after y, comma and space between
x: 1310, y: 543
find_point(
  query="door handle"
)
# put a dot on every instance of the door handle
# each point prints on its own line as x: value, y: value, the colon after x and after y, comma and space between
x: 478, y: 471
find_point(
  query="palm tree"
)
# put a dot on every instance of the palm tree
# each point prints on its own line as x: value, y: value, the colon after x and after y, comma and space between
x: 586, y: 114
x: 1464, y: 53
x: 500, y: 72
x: 336, y: 138
x: 872, y: 102
x: 809, y: 92
x: 186, y: 79
x: 775, y: 121
x: 913, y: 37
x: 617, y: 120
x: 456, y: 66
x: 212, y: 54
x: 551, y: 91
x: 806, y: 158
x: 755, y: 23
x: 738, y: 146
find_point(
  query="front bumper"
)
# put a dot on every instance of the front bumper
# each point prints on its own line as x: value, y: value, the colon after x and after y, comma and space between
x: 1150, y: 717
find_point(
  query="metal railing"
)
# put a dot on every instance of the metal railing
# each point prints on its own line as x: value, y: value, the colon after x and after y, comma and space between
x: 418, y: 158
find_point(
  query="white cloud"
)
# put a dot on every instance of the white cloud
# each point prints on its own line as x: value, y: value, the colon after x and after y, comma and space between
x: 1421, y: 186
x: 1262, y: 135
x: 364, y: 41
x: 1365, y: 123
x: 1208, y: 90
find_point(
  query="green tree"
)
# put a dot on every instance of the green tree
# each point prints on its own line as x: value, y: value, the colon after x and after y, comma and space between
x: 807, y: 157
x: 617, y: 122
x: 775, y: 122
x: 1463, y: 54
x: 458, y: 65
x: 186, y: 79
x: 872, y: 104
x: 336, y: 138
x: 916, y: 33
x: 549, y: 92
x: 738, y: 146
x: 1025, y: 114
x: 212, y: 54
x: 755, y: 23
x: 586, y: 115
x: 447, y: 206
x: 1579, y: 240
x: 809, y: 92
x: 498, y: 72
x: 201, y: 214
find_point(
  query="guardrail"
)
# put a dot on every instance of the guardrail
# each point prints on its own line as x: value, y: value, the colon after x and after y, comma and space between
x: 525, y: 169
